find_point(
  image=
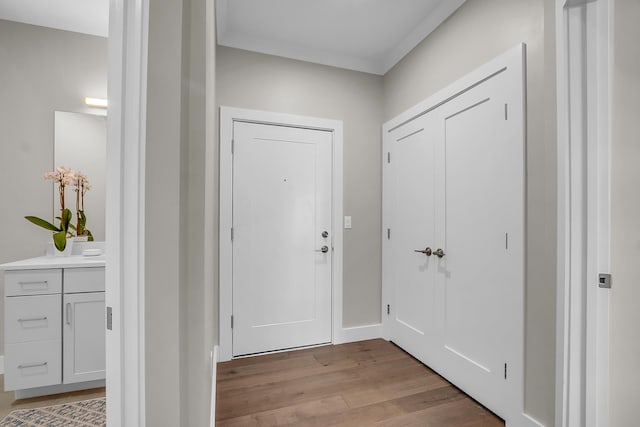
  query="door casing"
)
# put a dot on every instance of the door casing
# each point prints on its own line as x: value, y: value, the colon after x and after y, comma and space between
x: 228, y: 115
x: 584, y: 49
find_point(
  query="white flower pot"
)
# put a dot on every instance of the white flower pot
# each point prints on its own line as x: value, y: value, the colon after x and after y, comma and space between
x: 67, y: 249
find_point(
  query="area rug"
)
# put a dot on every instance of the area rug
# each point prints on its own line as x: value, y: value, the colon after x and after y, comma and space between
x: 86, y: 413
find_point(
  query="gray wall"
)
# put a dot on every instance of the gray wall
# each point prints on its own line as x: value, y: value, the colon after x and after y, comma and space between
x: 263, y: 82
x: 477, y: 32
x: 625, y: 220
x: 42, y: 70
x: 178, y: 336
x: 164, y: 243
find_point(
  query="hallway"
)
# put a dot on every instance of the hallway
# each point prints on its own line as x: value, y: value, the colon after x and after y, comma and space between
x: 362, y: 383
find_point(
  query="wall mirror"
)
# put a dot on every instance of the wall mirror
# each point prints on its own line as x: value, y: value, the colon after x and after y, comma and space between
x: 80, y: 143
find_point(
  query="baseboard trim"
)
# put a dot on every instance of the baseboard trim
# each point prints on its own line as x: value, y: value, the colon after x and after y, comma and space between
x: 58, y: 388
x: 527, y: 421
x: 214, y: 372
x: 359, y: 333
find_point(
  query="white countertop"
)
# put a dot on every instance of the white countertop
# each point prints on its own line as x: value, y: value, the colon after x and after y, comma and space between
x: 43, y: 262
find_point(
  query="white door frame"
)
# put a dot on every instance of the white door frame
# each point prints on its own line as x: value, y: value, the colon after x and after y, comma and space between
x: 583, y: 43
x: 227, y: 116
x: 126, y: 135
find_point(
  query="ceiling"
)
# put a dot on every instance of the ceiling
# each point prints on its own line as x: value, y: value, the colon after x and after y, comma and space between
x: 363, y: 35
x: 81, y: 16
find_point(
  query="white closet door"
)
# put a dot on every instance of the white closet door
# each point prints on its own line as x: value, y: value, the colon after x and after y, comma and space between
x: 455, y: 185
x: 479, y: 207
x: 413, y: 189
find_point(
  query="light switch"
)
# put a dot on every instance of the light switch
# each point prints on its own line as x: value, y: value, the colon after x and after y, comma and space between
x: 347, y: 222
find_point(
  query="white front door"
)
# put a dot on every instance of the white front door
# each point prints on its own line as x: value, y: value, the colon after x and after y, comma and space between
x: 282, y: 234
x: 454, y: 205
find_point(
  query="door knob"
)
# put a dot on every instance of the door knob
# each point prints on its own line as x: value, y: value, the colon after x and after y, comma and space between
x: 323, y: 249
x: 439, y: 253
x: 325, y: 234
x: 427, y: 251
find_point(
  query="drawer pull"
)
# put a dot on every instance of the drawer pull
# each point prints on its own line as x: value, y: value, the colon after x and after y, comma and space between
x: 38, y: 282
x: 32, y: 319
x: 31, y: 365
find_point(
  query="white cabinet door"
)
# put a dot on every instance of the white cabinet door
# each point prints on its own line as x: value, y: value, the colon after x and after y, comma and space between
x: 83, y: 337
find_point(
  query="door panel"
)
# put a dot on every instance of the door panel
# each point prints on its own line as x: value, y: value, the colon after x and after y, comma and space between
x: 412, y: 226
x: 476, y: 229
x: 281, y: 206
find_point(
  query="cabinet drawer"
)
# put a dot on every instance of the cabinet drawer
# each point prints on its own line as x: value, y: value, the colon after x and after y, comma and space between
x: 32, y: 364
x: 83, y: 280
x: 32, y: 318
x: 32, y: 282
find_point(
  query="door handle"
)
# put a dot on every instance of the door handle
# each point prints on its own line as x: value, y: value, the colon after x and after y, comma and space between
x: 68, y: 313
x: 323, y: 249
x: 427, y: 251
x: 439, y: 253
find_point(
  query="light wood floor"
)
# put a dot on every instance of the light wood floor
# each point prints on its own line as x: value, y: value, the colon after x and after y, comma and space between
x: 369, y: 383
x: 8, y: 402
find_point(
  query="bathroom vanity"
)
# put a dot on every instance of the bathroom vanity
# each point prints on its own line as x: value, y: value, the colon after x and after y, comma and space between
x: 54, y: 325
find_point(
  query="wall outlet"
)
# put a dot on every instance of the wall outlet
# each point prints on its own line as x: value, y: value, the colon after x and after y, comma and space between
x: 347, y: 222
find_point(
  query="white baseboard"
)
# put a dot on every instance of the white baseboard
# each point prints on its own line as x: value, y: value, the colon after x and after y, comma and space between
x: 359, y: 333
x: 526, y: 421
x: 214, y: 371
x: 2, y: 365
x: 58, y: 388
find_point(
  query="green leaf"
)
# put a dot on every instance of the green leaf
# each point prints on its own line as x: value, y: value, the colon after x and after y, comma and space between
x: 66, y: 219
x: 90, y: 238
x: 83, y: 219
x: 60, y: 240
x: 73, y: 227
x: 42, y: 223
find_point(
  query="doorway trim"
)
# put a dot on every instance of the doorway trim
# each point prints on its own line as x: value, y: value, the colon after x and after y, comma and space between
x: 126, y: 136
x: 228, y: 115
x: 584, y: 51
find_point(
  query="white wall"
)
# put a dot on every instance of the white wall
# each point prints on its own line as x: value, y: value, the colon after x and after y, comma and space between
x: 625, y: 244
x: 263, y: 82
x: 474, y: 34
x: 41, y: 70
